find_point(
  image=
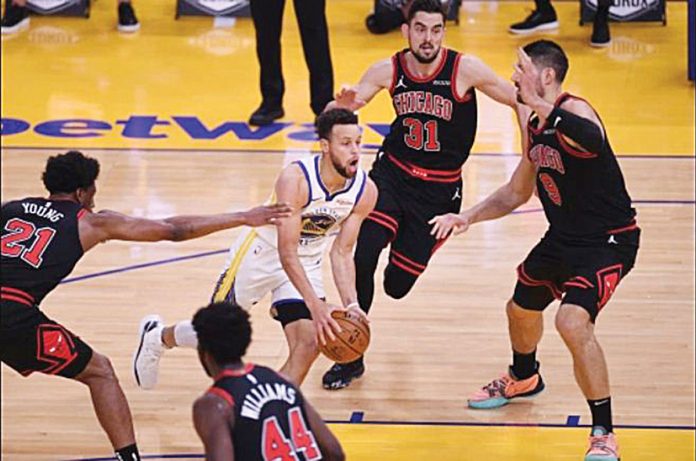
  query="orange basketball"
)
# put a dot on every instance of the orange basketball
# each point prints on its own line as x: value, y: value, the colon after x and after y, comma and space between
x: 351, y: 342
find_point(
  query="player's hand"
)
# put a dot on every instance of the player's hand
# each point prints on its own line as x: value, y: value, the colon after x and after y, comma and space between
x: 448, y: 223
x: 526, y: 78
x: 355, y: 309
x: 325, y: 325
x: 347, y: 98
x: 267, y: 214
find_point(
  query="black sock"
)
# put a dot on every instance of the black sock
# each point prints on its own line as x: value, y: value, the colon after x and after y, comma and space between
x: 523, y: 365
x: 129, y: 453
x: 601, y: 413
x: 543, y: 5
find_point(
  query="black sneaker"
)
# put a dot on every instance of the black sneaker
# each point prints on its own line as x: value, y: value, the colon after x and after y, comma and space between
x: 127, y: 22
x: 341, y: 375
x: 535, y: 22
x: 15, y: 18
x: 600, y: 34
x: 265, y: 115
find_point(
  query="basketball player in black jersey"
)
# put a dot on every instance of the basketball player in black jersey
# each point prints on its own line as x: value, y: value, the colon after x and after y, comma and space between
x: 591, y: 243
x: 251, y: 413
x: 418, y: 168
x: 42, y: 240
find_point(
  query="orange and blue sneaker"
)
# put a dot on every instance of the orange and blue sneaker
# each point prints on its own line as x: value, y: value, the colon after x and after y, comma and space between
x: 603, y: 446
x: 500, y: 391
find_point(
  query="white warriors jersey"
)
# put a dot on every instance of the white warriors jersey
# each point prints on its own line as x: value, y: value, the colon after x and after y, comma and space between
x: 323, y: 213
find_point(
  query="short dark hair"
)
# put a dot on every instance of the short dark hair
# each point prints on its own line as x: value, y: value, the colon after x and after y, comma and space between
x: 66, y: 173
x: 223, y: 330
x: 549, y: 54
x: 426, y: 6
x: 327, y: 120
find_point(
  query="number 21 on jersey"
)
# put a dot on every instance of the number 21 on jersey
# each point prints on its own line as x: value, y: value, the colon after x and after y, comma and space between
x: 20, y: 231
x: 275, y: 446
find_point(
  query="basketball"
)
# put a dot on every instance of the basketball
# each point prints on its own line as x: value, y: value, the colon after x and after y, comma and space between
x: 351, y: 342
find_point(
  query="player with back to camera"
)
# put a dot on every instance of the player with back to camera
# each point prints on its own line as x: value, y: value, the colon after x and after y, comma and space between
x: 251, y: 412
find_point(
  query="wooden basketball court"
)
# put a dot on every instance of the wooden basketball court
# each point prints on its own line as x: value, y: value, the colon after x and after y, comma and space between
x: 430, y: 350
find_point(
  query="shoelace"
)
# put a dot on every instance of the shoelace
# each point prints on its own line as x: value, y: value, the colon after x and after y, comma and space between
x: 600, y: 442
x: 497, y: 386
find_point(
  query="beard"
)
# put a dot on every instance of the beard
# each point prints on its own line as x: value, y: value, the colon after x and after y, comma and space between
x: 342, y: 170
x: 424, y: 60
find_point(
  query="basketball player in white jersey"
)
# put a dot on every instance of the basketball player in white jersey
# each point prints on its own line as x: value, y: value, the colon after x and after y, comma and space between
x: 330, y: 195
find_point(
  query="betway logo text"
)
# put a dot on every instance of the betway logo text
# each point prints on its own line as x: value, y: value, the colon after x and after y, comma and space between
x: 154, y: 127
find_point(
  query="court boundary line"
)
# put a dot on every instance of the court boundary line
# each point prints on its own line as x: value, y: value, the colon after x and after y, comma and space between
x: 419, y: 423
x: 235, y: 150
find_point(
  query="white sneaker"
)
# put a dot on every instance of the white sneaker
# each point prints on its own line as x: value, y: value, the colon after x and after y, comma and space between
x: 150, y: 350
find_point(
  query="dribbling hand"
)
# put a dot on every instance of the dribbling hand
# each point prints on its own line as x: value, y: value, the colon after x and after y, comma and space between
x: 323, y: 322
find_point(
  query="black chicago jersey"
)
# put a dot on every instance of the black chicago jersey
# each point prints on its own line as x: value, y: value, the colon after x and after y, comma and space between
x: 40, y: 244
x: 583, y: 193
x: 434, y: 126
x: 270, y: 421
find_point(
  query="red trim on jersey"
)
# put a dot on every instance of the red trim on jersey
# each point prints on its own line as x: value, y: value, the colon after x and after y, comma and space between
x: 405, y: 268
x: 15, y: 299
x: 443, y: 176
x: 234, y: 373
x: 575, y: 284
x: 525, y: 279
x: 427, y: 78
x: 574, y: 151
x: 438, y: 245
x: 16, y: 292
x: 407, y: 260
x: 582, y: 279
x: 382, y: 223
x: 632, y: 226
x: 395, y: 74
x: 81, y: 214
x: 223, y: 394
x: 607, y: 281
x: 386, y: 217
x: 453, y: 83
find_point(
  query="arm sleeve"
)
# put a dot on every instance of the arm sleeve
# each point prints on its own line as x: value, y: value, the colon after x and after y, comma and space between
x: 581, y: 130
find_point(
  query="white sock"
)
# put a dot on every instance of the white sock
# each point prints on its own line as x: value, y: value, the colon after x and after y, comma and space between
x: 185, y: 335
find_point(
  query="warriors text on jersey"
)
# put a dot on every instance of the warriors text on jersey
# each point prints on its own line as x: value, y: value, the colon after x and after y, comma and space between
x: 40, y: 245
x: 270, y: 421
x: 583, y: 193
x: 434, y: 126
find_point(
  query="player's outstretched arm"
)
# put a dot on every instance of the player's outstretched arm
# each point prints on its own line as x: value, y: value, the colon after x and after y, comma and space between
x: 292, y: 188
x: 328, y: 443
x: 213, y: 419
x: 110, y: 225
x: 473, y: 72
x: 376, y: 78
x: 342, y: 262
x: 500, y: 203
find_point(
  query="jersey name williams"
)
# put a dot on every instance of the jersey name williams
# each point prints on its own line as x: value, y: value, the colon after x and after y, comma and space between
x: 261, y: 394
x: 423, y: 102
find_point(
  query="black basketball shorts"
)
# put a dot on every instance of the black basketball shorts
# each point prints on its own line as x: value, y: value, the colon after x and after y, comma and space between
x: 404, y: 206
x: 582, y: 274
x: 30, y: 342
